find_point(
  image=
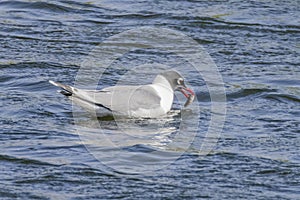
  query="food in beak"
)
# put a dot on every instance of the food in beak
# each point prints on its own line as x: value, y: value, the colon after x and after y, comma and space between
x: 189, y: 100
x: 190, y: 97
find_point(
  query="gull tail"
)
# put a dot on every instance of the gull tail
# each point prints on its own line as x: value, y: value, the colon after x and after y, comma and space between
x: 67, y: 90
x: 84, y: 98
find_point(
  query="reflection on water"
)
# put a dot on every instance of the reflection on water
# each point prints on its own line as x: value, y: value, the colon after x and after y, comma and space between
x: 138, y: 145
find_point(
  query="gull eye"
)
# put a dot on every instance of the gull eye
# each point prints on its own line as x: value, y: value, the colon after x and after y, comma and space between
x: 180, y: 81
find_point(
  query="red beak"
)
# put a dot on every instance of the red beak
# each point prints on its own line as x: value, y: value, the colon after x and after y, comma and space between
x: 187, y: 92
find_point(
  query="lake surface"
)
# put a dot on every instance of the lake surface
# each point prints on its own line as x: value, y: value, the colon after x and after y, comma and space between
x: 51, y: 149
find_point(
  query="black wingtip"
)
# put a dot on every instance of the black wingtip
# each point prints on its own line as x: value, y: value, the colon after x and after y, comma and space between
x: 67, y: 90
x: 66, y: 93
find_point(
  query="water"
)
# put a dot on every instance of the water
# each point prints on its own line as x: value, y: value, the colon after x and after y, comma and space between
x: 44, y: 154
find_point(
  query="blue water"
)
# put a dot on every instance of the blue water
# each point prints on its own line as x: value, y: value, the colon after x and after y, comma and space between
x: 51, y: 149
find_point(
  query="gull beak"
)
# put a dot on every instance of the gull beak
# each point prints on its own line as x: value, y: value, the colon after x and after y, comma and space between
x: 187, y: 92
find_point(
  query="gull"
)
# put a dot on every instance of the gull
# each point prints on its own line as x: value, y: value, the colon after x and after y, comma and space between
x: 134, y: 101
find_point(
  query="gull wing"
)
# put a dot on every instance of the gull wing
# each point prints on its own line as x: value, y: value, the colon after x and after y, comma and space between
x: 120, y: 99
x: 127, y: 99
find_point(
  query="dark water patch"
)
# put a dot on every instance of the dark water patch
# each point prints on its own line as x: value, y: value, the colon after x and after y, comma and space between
x: 8, y: 194
x: 273, y: 171
x: 139, y: 148
x: 141, y: 16
x: 203, y: 96
x: 286, y: 82
x: 248, y: 92
x: 218, y: 24
x: 32, y: 78
x: 31, y: 86
x: 258, y: 28
x: 46, y: 65
x: 25, y: 161
x: 70, y: 147
x: 21, y: 5
x: 21, y: 37
x: 96, y: 21
x: 285, y: 98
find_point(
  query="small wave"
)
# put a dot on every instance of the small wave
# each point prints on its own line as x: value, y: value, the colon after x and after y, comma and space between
x: 35, y: 5
x: 269, y: 94
x: 283, y: 97
x: 24, y: 160
x: 140, y: 15
x: 45, y: 65
x: 249, y: 92
x: 139, y: 148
